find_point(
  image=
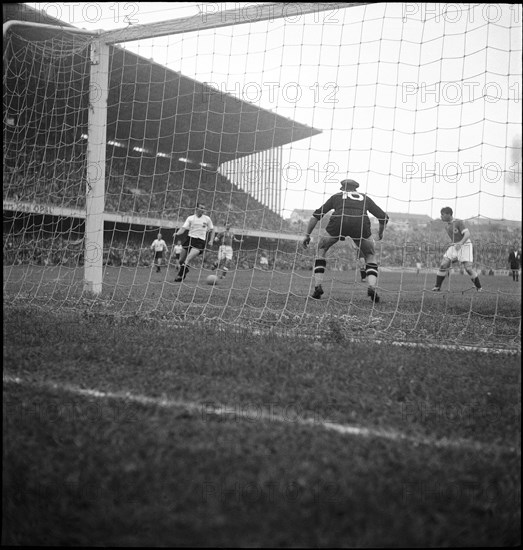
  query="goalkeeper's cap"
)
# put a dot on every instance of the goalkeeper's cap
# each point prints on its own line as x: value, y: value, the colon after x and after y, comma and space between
x: 349, y: 184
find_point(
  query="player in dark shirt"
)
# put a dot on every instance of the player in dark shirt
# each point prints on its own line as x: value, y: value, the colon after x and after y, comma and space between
x: 460, y: 250
x: 514, y: 260
x: 349, y: 219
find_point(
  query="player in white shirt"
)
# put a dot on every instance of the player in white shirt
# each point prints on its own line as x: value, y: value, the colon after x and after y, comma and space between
x: 159, y: 246
x: 177, y: 250
x: 198, y: 227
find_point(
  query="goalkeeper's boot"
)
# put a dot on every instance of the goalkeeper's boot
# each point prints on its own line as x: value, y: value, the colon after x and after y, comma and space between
x: 318, y: 291
x: 436, y: 289
x: 371, y: 292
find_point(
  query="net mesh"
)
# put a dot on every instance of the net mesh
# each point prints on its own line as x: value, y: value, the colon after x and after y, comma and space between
x: 259, y: 121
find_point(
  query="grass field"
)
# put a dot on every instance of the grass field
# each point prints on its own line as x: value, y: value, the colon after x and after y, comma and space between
x: 155, y: 428
x: 408, y: 310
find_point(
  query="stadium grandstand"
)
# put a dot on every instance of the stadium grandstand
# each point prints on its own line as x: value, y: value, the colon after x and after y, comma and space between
x: 171, y: 141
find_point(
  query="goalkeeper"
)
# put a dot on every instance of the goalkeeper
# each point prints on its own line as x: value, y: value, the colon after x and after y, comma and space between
x: 349, y: 219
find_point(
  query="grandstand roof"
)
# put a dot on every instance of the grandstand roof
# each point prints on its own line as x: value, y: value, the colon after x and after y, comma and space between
x: 163, y: 111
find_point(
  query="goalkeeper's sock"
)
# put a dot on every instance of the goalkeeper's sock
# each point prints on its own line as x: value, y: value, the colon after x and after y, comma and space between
x: 319, y: 270
x: 372, y: 274
x: 476, y: 282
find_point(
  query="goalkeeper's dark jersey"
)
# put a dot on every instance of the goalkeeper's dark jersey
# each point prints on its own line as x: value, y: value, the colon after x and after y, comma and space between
x: 350, y: 218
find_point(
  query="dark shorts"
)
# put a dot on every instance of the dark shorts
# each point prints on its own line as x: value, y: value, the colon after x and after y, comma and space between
x: 158, y: 255
x: 365, y: 246
x: 177, y: 256
x: 192, y: 242
x: 354, y: 230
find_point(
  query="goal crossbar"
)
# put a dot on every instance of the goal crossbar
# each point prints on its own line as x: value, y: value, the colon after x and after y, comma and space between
x: 222, y: 18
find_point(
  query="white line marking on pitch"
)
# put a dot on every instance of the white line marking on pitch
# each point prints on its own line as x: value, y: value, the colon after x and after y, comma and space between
x: 213, y: 409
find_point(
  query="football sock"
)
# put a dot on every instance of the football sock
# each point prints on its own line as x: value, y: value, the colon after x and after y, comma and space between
x: 372, y: 273
x: 439, y: 280
x: 319, y: 270
x: 476, y: 282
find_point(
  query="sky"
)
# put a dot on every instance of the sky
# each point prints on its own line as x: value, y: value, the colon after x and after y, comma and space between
x: 420, y: 103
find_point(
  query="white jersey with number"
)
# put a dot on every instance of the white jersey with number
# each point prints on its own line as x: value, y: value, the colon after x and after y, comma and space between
x: 198, y: 226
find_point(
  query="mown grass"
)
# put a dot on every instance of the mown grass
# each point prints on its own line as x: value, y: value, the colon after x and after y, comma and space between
x: 408, y: 310
x: 84, y: 470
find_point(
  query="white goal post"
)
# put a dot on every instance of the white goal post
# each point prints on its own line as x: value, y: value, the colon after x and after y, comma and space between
x: 95, y: 173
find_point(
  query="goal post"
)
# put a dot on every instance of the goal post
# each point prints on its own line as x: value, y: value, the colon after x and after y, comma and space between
x: 96, y: 146
x: 95, y: 169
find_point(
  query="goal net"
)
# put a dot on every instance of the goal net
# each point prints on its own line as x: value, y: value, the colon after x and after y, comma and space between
x: 257, y: 113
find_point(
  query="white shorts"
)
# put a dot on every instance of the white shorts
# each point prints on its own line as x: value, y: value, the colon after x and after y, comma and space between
x: 225, y: 253
x: 464, y: 254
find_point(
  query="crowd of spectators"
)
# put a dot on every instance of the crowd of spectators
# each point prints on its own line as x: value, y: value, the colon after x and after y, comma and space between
x: 159, y: 188
x: 393, y: 252
x: 46, y: 251
x: 156, y: 188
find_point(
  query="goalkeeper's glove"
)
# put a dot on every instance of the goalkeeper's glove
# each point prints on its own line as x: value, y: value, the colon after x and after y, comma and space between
x: 306, y: 241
